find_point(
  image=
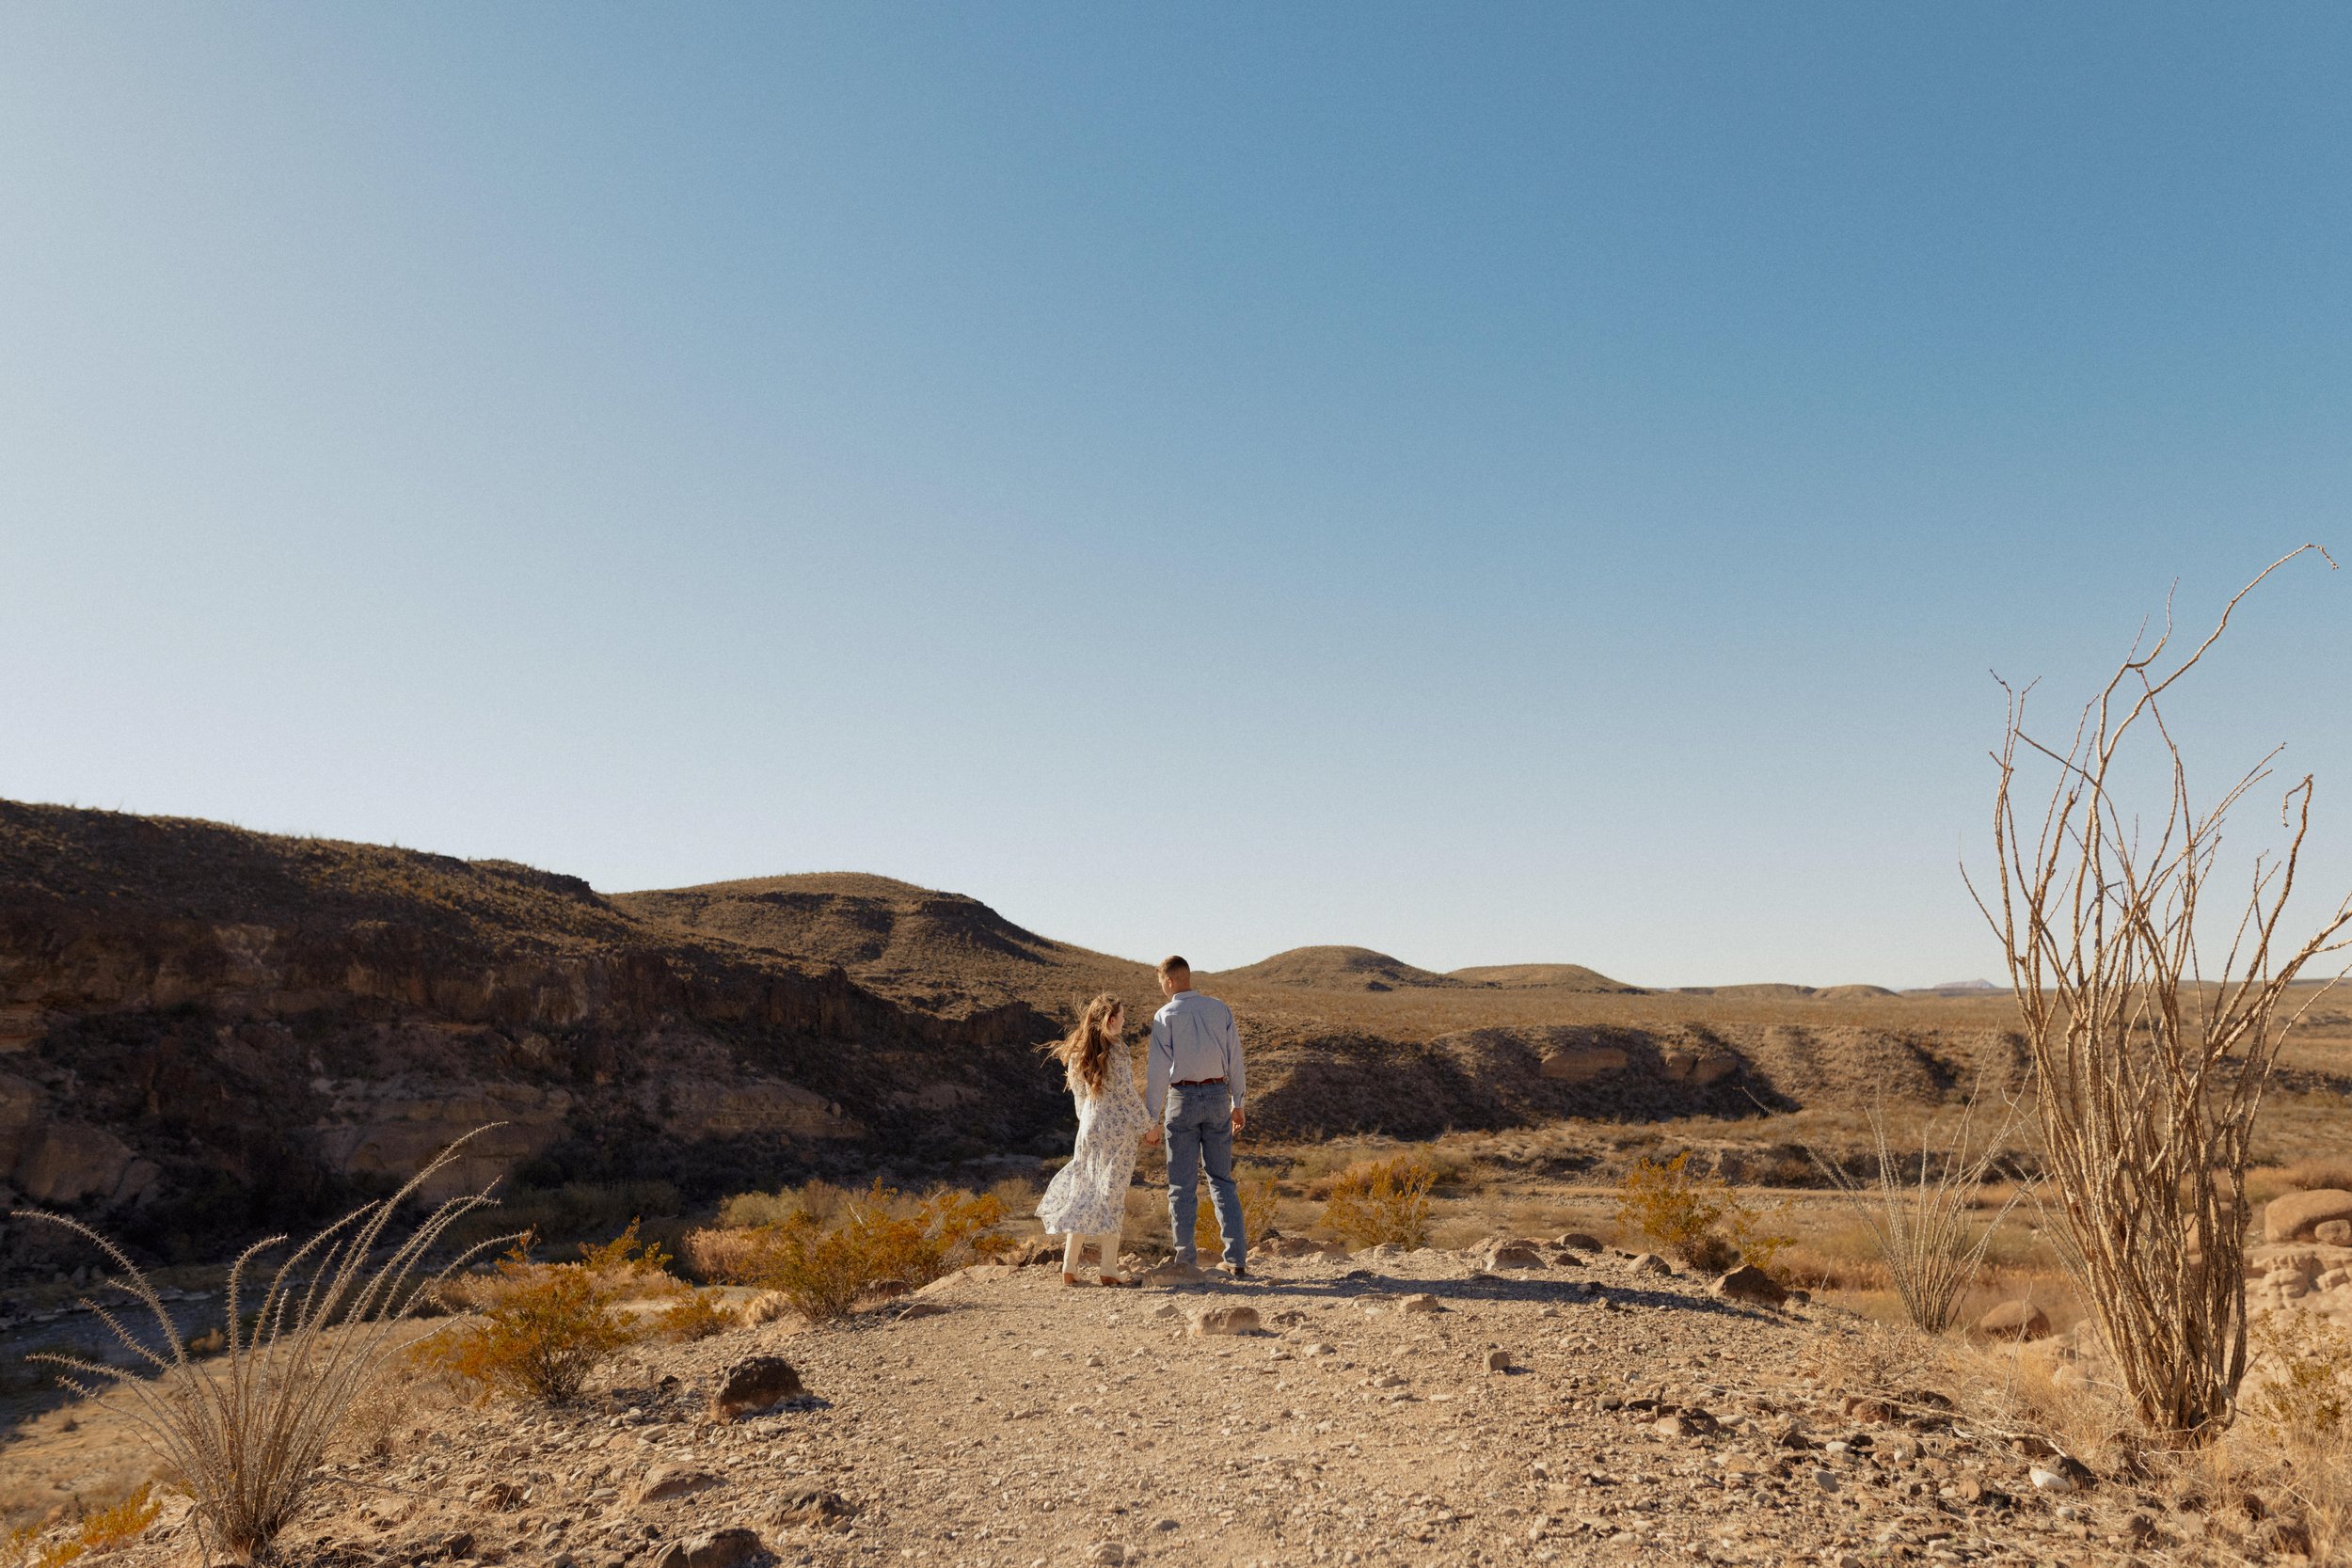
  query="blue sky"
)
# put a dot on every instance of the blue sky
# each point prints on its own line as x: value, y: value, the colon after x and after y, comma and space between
x: 1494, y: 485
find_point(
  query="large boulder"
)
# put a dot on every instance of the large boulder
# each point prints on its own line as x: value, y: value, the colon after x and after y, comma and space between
x: 753, y: 1384
x: 2296, y: 1216
x: 1749, y: 1284
x: 2014, y: 1320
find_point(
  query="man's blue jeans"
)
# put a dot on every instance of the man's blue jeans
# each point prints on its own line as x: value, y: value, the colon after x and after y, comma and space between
x: 1200, y: 1123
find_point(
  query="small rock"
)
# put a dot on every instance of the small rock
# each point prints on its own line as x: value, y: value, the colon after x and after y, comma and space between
x: 1750, y: 1284
x: 754, y: 1384
x: 2018, y: 1319
x: 2049, y: 1481
x: 1424, y: 1303
x: 1869, y: 1411
x: 1225, y: 1320
x: 1173, y: 1271
x: 2333, y: 1232
x: 1580, y: 1242
x: 672, y: 1481
x: 921, y: 1309
x: 1515, y: 1254
x: 1498, y: 1360
x: 1109, y: 1551
x: 1649, y: 1265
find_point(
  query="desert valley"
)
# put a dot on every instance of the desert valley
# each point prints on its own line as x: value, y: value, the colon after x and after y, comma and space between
x: 211, y: 1034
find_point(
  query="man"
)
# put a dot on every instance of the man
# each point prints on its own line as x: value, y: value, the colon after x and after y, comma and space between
x: 1194, y: 1087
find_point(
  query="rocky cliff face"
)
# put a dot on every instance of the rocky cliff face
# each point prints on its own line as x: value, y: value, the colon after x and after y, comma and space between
x: 205, y: 1031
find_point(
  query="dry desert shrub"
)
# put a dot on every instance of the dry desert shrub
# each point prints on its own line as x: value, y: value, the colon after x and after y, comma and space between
x: 695, y: 1315
x: 2150, y: 1065
x: 1701, y: 1220
x: 1924, y: 1231
x: 97, y: 1532
x: 879, y: 1240
x: 1260, y: 1195
x: 543, y: 1328
x: 2318, y: 1175
x: 245, y: 1432
x: 1374, y: 1203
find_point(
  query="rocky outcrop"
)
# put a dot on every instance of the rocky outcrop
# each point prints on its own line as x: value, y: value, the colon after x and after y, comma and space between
x: 206, y: 1031
x: 2298, y: 1216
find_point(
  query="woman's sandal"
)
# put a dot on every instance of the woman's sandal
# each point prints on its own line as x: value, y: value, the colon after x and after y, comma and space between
x: 1115, y: 1279
x: 1070, y: 1280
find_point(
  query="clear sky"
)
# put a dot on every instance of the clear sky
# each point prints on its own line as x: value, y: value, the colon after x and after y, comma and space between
x: 1493, y: 483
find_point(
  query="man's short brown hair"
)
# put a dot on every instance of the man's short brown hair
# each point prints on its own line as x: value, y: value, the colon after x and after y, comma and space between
x: 1173, y: 965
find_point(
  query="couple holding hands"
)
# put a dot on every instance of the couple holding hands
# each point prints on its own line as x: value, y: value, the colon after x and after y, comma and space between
x: 1192, y: 1096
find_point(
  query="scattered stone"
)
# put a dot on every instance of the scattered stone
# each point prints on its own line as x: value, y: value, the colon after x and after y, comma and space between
x: 1498, y: 1360
x: 1871, y: 1412
x: 753, y: 1384
x: 2334, y: 1232
x: 1422, y: 1303
x: 1515, y: 1254
x: 1173, y: 1271
x: 1109, y: 1551
x: 664, y: 1481
x: 1749, y: 1284
x: 2298, y: 1215
x: 1580, y: 1242
x: 921, y: 1309
x: 1649, y: 1265
x: 2018, y: 1319
x: 2050, y: 1480
x: 1225, y: 1320
x: 812, y: 1505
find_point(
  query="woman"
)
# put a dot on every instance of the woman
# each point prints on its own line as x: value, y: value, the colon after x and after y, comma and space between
x: 1088, y: 1198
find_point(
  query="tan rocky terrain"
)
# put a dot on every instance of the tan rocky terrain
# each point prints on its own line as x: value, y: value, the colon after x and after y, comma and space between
x: 1424, y: 1408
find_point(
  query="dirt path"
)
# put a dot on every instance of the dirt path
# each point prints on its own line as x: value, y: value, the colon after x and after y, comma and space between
x: 1027, y: 1423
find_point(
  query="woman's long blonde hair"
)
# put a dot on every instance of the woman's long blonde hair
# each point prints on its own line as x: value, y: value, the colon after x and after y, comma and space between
x: 1088, y: 1050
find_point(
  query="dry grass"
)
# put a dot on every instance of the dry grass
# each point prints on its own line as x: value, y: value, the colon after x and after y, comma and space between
x: 95, y: 1532
x: 245, y: 1432
x: 695, y: 1315
x: 1924, y: 1231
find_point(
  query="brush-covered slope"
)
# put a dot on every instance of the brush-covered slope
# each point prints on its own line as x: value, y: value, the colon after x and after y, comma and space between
x: 206, y: 1029
x: 1572, y: 978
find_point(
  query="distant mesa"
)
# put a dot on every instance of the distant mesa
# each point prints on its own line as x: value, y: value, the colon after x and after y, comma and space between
x: 1574, y: 978
x: 1960, y: 988
x: 1851, y: 993
x: 1338, y: 969
x: 1773, y: 991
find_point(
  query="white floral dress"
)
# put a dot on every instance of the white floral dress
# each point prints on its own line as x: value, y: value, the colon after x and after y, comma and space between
x: 1089, y: 1195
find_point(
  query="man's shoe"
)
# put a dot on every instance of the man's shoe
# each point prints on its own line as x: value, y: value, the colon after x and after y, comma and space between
x: 1233, y: 1270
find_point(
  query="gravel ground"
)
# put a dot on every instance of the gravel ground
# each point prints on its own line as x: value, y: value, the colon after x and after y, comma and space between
x: 1006, y: 1421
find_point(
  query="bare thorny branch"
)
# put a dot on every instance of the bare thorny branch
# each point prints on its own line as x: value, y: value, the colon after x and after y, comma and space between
x: 2149, y: 1071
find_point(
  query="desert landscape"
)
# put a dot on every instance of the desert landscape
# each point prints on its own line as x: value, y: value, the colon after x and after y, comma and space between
x: 212, y: 1034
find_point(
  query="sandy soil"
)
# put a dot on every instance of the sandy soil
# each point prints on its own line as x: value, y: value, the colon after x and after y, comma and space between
x: 1022, y: 1422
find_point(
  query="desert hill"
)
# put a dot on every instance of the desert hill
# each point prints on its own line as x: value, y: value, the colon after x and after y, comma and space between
x: 1547, y: 976
x: 1333, y: 969
x: 940, y: 951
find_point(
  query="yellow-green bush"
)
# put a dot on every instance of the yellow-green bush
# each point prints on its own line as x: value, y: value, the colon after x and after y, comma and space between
x: 543, y: 1328
x: 1376, y: 1201
x: 1700, y: 1219
x: 880, y: 1241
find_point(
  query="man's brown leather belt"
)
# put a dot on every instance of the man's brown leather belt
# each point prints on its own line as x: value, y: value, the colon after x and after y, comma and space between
x: 1193, y: 1083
